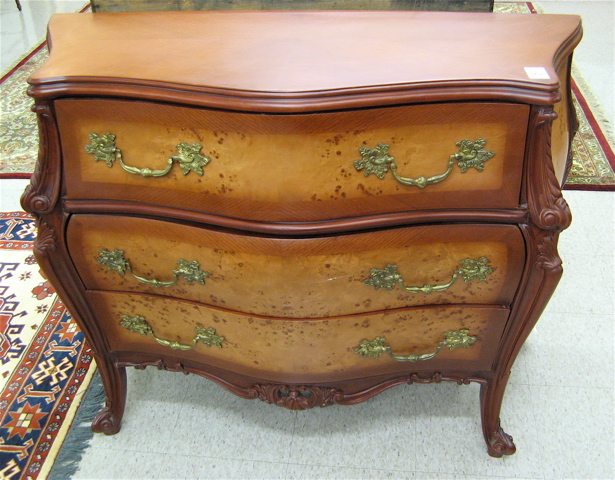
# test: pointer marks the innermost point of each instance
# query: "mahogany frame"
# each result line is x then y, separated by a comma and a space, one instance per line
541, 215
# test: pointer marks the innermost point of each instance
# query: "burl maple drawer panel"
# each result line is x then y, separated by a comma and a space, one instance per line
299, 278
295, 167
310, 350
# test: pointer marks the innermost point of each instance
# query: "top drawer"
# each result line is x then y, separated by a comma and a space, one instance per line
295, 167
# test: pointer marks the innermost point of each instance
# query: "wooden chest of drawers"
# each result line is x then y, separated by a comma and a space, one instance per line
300, 208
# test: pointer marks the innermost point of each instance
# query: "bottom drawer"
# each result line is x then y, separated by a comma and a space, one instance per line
300, 351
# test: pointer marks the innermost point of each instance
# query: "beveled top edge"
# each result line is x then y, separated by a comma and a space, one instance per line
263, 57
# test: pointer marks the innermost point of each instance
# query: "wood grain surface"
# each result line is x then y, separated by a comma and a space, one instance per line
304, 350
295, 167
299, 278
281, 53
187, 5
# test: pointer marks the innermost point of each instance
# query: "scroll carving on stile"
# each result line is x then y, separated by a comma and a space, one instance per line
452, 340
377, 161
207, 336
190, 271
189, 157
470, 270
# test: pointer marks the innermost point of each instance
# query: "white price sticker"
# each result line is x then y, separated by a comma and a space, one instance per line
537, 73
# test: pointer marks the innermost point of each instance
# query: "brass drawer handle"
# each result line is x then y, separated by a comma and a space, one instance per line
189, 157
207, 336
452, 340
388, 277
191, 272
378, 161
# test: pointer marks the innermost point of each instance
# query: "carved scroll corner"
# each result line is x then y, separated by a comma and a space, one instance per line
32, 201
296, 397
556, 216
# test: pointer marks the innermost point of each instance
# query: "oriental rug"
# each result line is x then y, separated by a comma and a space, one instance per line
593, 147
46, 365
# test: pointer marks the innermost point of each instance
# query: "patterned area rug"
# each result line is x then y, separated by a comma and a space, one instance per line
593, 156
45, 363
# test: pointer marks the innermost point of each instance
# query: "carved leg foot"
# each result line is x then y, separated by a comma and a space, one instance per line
109, 419
106, 422
500, 443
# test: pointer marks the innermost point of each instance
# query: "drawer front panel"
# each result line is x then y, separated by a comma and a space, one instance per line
301, 350
292, 167
298, 278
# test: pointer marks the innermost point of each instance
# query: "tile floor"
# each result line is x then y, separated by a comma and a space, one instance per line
559, 405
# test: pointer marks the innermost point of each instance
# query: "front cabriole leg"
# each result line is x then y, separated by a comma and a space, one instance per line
548, 216
108, 420
498, 441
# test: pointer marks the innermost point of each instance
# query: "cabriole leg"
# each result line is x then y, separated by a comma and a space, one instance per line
108, 420
498, 441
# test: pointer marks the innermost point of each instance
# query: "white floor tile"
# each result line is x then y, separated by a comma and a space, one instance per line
22, 31
107, 465
215, 423
560, 341
182, 466
576, 430
376, 434
151, 414
10, 193
311, 472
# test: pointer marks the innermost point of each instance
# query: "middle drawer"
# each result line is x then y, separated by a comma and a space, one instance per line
304, 277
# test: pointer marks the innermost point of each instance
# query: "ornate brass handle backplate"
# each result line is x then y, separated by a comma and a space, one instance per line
190, 271
207, 336
189, 157
452, 340
378, 161
388, 277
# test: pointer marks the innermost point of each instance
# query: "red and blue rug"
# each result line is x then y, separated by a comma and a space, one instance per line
46, 365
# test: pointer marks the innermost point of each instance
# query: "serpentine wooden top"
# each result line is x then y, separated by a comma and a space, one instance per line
289, 57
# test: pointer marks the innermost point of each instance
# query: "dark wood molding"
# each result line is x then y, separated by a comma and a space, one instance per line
290, 395
299, 229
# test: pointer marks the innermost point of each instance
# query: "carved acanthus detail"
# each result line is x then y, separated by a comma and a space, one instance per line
45, 239
548, 258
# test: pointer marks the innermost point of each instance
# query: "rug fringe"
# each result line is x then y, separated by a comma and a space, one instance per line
78, 438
